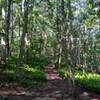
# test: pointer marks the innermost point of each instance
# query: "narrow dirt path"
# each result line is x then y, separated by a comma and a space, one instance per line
53, 76
51, 73
55, 88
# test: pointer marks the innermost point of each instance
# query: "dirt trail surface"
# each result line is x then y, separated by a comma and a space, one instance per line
51, 73
55, 88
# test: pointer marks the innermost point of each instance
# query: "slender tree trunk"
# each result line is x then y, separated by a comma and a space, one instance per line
12, 30
22, 40
7, 26
65, 46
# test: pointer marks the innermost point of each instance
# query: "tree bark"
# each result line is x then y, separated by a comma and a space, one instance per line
7, 26
22, 39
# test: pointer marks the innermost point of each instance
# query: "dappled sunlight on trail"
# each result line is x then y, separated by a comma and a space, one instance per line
55, 88
51, 73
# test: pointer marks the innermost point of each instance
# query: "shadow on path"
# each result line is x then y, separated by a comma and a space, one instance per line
55, 88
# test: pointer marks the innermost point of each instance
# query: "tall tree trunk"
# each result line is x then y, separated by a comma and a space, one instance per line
25, 30
65, 45
7, 26
12, 30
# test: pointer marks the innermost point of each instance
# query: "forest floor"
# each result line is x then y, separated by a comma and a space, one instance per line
55, 88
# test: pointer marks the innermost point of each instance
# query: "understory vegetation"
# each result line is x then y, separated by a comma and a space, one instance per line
63, 33
88, 80
27, 75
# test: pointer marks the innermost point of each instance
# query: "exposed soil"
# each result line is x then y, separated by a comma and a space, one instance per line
55, 88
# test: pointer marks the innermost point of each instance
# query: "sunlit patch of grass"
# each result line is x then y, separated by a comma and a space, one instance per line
9, 72
88, 80
27, 75
32, 73
84, 79
28, 68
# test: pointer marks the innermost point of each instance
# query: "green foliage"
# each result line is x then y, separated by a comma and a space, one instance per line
11, 61
98, 63
44, 37
90, 4
38, 62
32, 73
27, 75
62, 72
32, 61
7, 76
89, 21
88, 80
98, 39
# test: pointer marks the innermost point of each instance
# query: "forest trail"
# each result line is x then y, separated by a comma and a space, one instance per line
51, 73
55, 88
53, 76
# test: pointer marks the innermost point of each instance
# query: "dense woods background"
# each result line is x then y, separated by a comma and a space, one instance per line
36, 33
